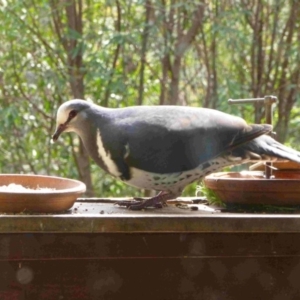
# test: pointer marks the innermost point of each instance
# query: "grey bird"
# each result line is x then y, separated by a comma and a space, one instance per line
165, 148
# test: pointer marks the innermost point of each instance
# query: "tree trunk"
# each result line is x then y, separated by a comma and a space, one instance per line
183, 40
145, 36
74, 52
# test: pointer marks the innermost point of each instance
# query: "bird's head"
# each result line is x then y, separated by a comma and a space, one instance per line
70, 116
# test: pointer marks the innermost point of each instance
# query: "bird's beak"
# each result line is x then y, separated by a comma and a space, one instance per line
59, 129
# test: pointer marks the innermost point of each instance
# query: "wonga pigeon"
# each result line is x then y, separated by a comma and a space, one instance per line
166, 148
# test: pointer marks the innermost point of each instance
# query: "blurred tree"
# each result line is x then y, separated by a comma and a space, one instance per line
139, 52
68, 28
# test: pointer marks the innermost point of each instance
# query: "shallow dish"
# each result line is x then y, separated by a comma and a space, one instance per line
280, 166
252, 188
45, 194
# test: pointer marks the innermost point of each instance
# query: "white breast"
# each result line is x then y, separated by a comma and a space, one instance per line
106, 157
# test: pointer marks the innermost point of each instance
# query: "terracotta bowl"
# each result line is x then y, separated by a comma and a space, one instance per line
280, 166
45, 194
251, 187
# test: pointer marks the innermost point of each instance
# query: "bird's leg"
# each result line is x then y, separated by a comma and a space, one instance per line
157, 201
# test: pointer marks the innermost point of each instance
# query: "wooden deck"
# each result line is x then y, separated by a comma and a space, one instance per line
101, 251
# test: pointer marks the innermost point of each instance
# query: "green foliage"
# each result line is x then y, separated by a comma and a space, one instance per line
210, 195
120, 40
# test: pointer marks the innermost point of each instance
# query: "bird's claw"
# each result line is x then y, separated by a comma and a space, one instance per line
128, 203
142, 205
139, 203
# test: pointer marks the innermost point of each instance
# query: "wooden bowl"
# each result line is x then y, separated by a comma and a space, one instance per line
251, 187
45, 194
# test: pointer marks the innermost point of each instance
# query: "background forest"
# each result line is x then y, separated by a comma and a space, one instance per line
137, 52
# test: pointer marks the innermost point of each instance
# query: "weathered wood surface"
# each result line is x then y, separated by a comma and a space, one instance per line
94, 216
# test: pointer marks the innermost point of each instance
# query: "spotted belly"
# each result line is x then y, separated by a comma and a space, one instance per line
175, 182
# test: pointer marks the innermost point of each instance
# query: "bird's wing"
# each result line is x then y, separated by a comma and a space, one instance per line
267, 146
176, 140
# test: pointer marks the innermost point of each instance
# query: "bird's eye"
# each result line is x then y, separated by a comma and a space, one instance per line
72, 114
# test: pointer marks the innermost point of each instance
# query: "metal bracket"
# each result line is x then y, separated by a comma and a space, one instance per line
268, 101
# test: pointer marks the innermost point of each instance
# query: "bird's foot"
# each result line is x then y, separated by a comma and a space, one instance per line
157, 201
127, 203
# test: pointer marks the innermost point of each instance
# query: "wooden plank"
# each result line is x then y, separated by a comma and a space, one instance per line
108, 218
31, 247
149, 266
111, 224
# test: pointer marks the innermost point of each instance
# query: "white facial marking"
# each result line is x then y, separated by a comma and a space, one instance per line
62, 114
106, 157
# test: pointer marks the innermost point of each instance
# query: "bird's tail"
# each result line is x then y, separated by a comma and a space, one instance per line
266, 146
